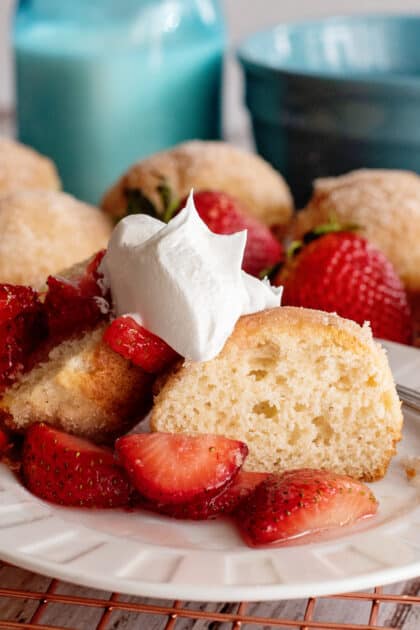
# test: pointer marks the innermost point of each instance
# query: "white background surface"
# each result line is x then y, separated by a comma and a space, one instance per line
243, 17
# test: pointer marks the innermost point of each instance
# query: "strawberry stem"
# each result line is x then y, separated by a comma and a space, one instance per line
333, 225
170, 202
270, 272
138, 203
294, 248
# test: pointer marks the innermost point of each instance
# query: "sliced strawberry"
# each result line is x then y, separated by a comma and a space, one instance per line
67, 309
302, 502
16, 299
11, 353
125, 336
88, 283
22, 328
67, 470
175, 468
210, 507
77, 304
5, 441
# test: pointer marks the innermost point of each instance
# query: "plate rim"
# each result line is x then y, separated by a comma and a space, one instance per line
205, 592
235, 594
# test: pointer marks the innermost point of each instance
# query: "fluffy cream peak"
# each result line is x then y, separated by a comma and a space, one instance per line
183, 282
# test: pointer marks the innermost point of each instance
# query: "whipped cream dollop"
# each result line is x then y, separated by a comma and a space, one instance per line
183, 282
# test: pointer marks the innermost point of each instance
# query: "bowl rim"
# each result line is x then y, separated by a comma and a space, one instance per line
257, 66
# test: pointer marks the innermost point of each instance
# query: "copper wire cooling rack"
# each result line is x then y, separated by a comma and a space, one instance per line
88, 610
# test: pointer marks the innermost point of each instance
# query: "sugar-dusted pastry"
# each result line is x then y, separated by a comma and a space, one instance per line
43, 232
386, 206
206, 166
23, 168
58, 368
82, 387
300, 387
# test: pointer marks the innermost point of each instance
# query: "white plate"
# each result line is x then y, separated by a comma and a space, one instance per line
144, 554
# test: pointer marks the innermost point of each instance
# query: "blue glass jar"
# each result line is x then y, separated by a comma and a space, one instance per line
102, 83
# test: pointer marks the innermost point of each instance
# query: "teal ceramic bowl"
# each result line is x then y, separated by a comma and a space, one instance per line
333, 95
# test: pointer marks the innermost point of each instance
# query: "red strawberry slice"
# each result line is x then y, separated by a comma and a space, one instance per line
207, 508
302, 502
125, 336
176, 468
22, 328
16, 299
75, 305
5, 442
224, 214
68, 310
68, 470
88, 283
11, 353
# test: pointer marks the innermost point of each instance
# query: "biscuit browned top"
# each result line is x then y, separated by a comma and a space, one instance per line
207, 166
43, 231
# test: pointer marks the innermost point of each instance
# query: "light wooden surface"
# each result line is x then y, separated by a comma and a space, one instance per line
404, 617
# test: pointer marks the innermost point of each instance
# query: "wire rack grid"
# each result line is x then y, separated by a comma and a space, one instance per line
110, 611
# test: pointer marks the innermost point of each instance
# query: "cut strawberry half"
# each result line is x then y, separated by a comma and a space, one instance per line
68, 310
75, 305
211, 507
300, 503
125, 336
22, 328
175, 468
89, 283
15, 300
67, 470
5, 441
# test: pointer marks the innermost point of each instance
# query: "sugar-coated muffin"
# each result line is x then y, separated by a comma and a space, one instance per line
302, 388
207, 166
23, 168
82, 387
386, 206
43, 232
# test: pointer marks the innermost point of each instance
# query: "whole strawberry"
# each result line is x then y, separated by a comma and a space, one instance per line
342, 272
224, 215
